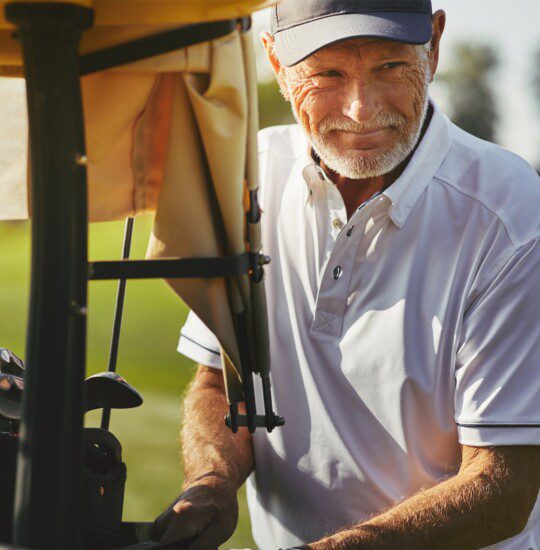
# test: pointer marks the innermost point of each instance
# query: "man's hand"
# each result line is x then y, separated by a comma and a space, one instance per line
216, 464
204, 516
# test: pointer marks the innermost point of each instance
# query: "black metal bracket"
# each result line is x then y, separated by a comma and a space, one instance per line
186, 268
241, 421
157, 44
245, 23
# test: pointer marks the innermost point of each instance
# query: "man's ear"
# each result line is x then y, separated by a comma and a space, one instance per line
277, 67
439, 23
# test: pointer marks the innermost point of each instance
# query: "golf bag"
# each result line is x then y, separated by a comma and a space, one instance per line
8, 466
104, 478
103, 471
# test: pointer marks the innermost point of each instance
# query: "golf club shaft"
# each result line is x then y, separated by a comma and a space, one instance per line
117, 324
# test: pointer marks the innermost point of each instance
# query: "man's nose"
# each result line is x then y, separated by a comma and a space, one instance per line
361, 101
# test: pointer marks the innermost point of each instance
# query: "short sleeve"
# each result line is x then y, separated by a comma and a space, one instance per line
497, 399
198, 343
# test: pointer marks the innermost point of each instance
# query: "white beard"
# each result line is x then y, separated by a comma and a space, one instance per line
355, 164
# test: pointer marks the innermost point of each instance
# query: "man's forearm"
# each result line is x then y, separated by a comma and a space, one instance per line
471, 510
439, 517
211, 452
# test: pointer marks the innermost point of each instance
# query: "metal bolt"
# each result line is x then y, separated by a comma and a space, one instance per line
77, 310
81, 160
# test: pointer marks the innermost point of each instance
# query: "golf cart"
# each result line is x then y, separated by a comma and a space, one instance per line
133, 106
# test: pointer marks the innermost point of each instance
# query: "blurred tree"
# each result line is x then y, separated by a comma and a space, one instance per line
468, 83
536, 83
273, 108
536, 75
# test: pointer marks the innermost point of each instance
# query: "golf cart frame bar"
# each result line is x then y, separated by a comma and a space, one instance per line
200, 268
165, 42
48, 489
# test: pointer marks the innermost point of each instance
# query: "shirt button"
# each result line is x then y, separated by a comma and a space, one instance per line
337, 223
338, 272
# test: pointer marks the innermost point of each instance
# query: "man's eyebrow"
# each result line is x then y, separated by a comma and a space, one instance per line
318, 62
392, 55
320, 56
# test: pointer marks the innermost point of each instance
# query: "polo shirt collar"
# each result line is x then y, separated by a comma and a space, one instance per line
405, 192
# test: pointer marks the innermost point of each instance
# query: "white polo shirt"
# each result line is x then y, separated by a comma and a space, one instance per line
395, 335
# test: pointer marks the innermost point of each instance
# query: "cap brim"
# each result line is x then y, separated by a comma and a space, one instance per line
295, 44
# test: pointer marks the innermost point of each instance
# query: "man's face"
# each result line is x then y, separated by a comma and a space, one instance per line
361, 102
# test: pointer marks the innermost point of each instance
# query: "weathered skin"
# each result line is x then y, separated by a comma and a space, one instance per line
360, 80
216, 464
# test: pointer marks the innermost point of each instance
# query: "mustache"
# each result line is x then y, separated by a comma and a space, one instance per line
382, 120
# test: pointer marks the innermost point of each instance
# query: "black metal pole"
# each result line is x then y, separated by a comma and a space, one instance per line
117, 323
47, 507
159, 43
247, 374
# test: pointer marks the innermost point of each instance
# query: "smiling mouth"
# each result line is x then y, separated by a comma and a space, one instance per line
366, 140
367, 133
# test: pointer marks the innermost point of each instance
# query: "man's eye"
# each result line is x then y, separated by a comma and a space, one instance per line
329, 74
392, 65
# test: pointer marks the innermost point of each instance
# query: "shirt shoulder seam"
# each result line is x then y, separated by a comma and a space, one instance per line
516, 243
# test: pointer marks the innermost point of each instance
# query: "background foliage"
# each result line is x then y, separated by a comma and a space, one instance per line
535, 83
273, 109
470, 91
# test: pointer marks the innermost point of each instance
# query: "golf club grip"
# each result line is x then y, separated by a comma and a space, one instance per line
140, 534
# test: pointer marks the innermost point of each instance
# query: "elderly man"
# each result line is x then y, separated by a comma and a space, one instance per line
403, 307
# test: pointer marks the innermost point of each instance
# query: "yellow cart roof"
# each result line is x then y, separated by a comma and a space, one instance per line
119, 21
159, 12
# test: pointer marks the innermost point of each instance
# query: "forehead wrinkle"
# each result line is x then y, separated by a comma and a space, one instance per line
361, 47
350, 45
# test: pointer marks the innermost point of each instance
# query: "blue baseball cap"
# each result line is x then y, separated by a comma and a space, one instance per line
302, 27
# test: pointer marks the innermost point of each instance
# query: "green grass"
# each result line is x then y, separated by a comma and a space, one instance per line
148, 359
